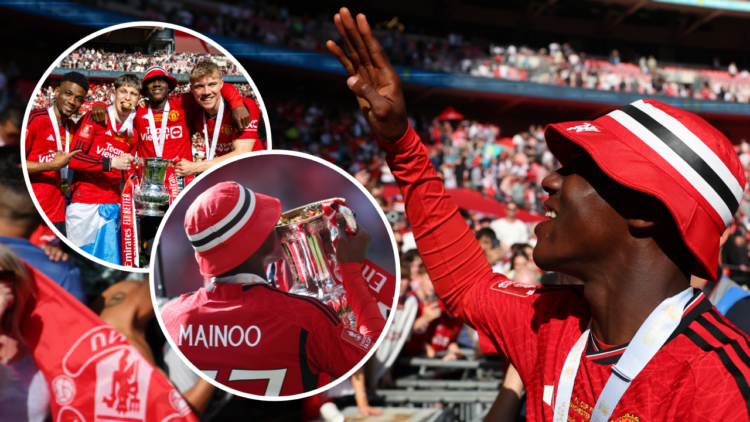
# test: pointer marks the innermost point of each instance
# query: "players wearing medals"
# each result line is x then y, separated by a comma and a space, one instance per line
247, 334
107, 154
222, 141
48, 138
639, 205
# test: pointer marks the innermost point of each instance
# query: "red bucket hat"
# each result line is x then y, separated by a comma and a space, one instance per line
671, 154
155, 71
227, 224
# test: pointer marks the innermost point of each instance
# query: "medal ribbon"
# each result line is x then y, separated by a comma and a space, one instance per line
158, 140
211, 147
126, 125
56, 130
650, 337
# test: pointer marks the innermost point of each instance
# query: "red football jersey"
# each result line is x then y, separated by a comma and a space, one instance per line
259, 340
228, 132
95, 181
700, 374
41, 146
182, 107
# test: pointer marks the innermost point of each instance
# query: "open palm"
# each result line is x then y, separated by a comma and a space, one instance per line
371, 77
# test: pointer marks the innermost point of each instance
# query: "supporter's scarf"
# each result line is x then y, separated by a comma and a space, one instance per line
92, 371
129, 230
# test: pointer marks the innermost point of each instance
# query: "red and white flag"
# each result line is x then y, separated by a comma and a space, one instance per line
93, 372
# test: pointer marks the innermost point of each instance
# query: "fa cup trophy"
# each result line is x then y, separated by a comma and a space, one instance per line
308, 238
150, 193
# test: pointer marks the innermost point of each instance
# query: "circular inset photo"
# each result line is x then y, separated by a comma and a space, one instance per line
275, 274
122, 122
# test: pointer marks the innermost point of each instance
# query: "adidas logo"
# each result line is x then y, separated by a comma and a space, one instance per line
108, 133
50, 138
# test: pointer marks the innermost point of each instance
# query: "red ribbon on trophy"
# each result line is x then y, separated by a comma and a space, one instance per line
382, 283
171, 183
128, 227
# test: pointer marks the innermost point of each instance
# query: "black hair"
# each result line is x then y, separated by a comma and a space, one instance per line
486, 232
76, 78
15, 200
513, 259
14, 115
485, 220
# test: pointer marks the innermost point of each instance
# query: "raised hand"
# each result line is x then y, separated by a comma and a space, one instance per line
351, 248
371, 77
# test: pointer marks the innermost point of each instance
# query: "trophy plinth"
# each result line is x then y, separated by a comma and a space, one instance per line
151, 192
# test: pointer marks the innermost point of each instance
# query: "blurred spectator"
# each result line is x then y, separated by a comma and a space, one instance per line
19, 220
10, 126
508, 229
24, 395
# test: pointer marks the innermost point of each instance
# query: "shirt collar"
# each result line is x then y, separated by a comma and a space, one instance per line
240, 279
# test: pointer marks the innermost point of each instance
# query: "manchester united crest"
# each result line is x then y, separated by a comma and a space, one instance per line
226, 129
174, 115
628, 418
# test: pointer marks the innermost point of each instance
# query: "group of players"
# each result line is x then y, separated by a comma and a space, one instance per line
101, 148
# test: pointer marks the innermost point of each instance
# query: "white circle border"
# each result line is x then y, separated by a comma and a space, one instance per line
76, 45
356, 367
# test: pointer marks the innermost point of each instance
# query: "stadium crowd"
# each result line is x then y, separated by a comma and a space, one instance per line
175, 63
559, 64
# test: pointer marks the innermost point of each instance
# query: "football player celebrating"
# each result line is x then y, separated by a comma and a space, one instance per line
163, 124
639, 205
221, 139
92, 218
48, 140
247, 334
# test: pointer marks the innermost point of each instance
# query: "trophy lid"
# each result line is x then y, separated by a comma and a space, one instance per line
304, 213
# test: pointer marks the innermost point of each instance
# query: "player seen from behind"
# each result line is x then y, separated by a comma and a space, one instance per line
249, 335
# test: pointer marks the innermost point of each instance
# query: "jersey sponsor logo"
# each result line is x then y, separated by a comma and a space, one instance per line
586, 127
172, 132
47, 158
174, 115
51, 138
219, 336
628, 418
86, 131
226, 129
252, 126
512, 288
358, 339
108, 132
109, 151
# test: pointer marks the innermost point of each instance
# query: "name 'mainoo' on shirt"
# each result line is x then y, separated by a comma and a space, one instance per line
216, 336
